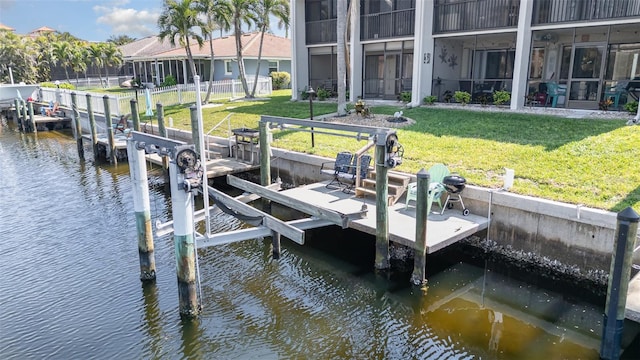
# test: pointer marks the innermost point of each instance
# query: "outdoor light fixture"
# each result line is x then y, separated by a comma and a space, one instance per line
311, 94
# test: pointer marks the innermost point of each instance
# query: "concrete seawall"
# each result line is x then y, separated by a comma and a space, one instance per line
571, 238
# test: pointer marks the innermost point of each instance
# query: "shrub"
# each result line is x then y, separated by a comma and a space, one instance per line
405, 96
429, 100
63, 85
280, 79
631, 107
501, 97
604, 104
484, 99
462, 97
169, 80
323, 93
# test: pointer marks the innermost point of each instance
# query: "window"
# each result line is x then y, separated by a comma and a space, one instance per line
227, 67
273, 66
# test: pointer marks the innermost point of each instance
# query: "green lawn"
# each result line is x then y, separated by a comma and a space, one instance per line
589, 162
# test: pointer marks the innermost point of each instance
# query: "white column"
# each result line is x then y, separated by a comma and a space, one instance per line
422, 52
355, 56
523, 55
184, 72
299, 52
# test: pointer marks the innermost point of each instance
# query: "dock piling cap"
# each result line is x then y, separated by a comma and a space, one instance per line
423, 173
629, 215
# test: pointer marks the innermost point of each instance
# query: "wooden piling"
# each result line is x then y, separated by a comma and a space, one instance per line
163, 132
382, 207
275, 243
25, 115
619, 273
92, 126
193, 111
31, 123
418, 277
16, 103
134, 115
112, 143
265, 154
184, 243
77, 125
142, 208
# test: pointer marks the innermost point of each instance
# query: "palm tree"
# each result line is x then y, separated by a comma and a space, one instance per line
341, 60
280, 10
112, 57
243, 12
62, 53
179, 19
19, 53
218, 14
78, 58
95, 56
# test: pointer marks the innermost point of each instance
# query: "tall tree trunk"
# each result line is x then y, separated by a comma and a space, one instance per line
255, 82
342, 65
211, 69
243, 78
192, 64
66, 72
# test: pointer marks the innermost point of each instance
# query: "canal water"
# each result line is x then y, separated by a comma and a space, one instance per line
69, 286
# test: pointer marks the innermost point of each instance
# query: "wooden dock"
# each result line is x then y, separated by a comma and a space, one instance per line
216, 167
42, 122
633, 299
442, 230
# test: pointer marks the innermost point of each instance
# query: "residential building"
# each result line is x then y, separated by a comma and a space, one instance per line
564, 53
152, 59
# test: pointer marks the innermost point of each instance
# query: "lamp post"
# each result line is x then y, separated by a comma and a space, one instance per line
311, 93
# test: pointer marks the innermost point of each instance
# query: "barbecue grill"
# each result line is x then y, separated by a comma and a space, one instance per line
454, 184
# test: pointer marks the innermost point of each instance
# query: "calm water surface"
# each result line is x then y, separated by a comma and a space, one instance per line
69, 286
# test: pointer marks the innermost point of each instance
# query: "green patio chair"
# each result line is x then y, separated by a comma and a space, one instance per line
554, 91
436, 174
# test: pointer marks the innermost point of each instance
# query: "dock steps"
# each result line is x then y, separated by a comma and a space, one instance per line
397, 185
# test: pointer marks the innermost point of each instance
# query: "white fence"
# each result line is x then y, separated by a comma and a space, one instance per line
171, 95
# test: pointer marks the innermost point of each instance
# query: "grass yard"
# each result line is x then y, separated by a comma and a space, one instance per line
590, 162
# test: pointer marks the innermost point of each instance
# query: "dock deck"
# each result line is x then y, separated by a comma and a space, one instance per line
633, 299
51, 122
442, 230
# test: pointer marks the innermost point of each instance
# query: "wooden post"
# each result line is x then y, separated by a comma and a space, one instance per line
193, 111
265, 154
110, 139
163, 132
142, 207
418, 277
16, 103
135, 115
619, 273
31, 123
25, 115
275, 242
382, 207
184, 242
92, 126
77, 126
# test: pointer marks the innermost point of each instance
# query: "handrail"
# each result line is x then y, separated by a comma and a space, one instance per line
358, 155
228, 119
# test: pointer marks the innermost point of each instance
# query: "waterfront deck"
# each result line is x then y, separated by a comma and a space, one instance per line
43, 122
442, 230
633, 299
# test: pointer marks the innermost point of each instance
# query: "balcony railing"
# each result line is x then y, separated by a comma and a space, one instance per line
387, 25
559, 11
322, 31
475, 15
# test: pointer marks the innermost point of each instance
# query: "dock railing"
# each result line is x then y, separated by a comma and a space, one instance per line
228, 120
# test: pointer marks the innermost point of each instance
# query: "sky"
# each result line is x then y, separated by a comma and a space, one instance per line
93, 20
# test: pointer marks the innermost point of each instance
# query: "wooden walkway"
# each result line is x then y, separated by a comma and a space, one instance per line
442, 230
51, 122
216, 167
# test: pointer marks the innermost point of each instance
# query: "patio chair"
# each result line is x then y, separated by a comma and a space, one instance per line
350, 183
340, 169
437, 173
554, 91
615, 92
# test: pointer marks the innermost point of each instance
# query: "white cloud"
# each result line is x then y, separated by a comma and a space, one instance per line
127, 21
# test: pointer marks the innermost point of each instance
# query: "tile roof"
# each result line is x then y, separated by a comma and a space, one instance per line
4, 27
274, 47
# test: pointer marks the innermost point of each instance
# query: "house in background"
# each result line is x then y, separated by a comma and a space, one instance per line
152, 60
586, 50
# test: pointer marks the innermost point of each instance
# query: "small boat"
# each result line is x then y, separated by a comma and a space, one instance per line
9, 92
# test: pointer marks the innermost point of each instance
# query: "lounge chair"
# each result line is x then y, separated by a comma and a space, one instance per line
554, 91
437, 173
122, 124
340, 169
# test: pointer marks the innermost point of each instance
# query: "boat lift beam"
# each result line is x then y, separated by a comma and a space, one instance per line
332, 216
